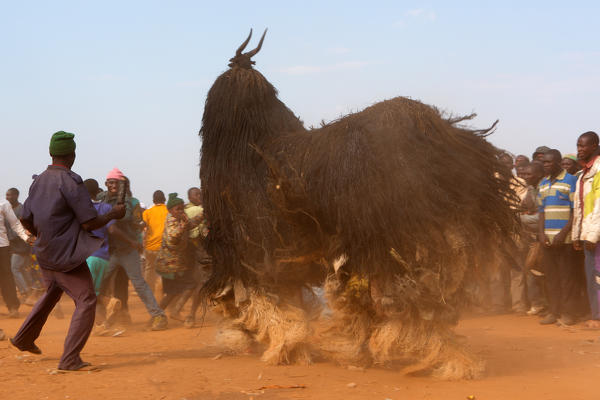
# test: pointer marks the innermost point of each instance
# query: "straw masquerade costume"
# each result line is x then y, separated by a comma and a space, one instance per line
385, 207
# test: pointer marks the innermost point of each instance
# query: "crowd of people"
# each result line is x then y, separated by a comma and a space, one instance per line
555, 274
90, 243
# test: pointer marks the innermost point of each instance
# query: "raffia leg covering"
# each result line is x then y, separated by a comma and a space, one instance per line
346, 338
282, 327
430, 349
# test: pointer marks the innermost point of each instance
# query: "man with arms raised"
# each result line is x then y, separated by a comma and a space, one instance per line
60, 213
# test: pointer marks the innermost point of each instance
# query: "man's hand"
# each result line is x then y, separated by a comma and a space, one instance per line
559, 238
577, 245
117, 212
589, 246
31, 240
544, 240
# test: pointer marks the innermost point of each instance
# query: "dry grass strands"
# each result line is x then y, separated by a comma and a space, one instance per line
283, 328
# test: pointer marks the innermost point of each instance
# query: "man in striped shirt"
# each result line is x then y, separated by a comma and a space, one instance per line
555, 201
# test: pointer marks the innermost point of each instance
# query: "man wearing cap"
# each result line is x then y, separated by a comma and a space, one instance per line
124, 249
538, 154
570, 164
60, 213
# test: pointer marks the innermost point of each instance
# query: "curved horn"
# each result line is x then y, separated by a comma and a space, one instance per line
257, 49
238, 52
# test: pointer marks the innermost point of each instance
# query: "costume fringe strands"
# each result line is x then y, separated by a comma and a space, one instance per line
397, 203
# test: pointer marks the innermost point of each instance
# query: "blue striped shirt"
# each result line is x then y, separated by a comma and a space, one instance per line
555, 200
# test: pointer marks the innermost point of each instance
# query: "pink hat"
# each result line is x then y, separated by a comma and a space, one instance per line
115, 174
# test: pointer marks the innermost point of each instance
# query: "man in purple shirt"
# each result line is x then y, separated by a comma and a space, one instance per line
60, 213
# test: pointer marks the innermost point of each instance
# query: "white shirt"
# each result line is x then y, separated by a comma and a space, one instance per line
8, 217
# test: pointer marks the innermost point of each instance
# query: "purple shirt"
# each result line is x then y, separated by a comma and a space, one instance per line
57, 205
102, 233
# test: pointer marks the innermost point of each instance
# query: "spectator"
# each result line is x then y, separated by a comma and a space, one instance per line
555, 200
521, 161
98, 261
154, 218
533, 174
174, 263
586, 224
511, 277
8, 219
202, 261
27, 280
124, 249
569, 163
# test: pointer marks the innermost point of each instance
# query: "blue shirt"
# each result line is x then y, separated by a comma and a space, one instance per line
57, 205
102, 233
555, 200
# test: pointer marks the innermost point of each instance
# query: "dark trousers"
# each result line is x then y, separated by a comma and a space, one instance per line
7, 280
121, 287
78, 285
561, 279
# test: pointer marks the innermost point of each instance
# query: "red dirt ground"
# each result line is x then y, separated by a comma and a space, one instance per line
525, 361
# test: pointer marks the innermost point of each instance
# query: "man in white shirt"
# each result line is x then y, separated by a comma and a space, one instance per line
7, 281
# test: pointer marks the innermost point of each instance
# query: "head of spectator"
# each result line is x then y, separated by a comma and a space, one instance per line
158, 197
552, 159
92, 187
62, 149
587, 146
570, 164
112, 181
12, 196
538, 154
507, 160
195, 196
521, 161
175, 206
533, 173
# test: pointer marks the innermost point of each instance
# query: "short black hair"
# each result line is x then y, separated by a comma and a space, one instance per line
92, 186
555, 153
14, 190
593, 136
158, 197
190, 190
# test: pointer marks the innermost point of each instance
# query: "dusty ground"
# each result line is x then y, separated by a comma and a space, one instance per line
525, 361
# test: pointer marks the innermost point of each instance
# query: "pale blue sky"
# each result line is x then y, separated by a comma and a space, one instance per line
129, 78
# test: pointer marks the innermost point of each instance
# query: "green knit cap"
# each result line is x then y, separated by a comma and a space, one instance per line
173, 200
62, 144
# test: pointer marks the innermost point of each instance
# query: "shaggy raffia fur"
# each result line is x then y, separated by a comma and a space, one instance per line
281, 327
397, 190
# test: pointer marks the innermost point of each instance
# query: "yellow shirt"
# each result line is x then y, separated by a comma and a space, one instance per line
155, 218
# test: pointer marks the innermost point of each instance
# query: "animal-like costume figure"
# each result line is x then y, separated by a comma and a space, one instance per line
387, 207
